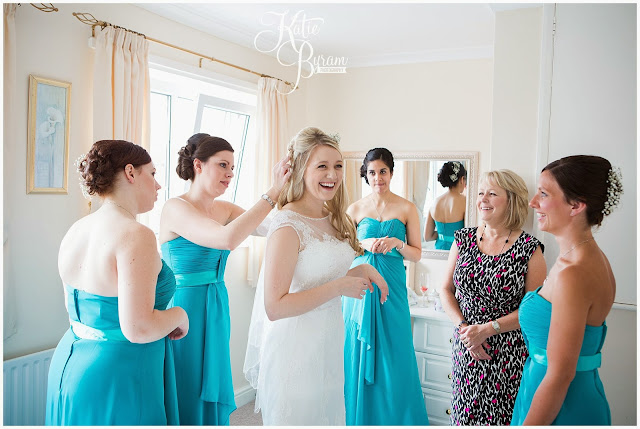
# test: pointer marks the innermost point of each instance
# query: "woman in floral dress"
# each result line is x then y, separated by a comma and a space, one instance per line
490, 269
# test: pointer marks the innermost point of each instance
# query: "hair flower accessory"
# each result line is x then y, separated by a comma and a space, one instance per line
455, 166
614, 190
80, 167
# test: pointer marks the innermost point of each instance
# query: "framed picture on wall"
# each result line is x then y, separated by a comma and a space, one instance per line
48, 136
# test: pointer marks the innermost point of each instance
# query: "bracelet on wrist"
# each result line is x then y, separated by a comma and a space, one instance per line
462, 322
268, 199
400, 248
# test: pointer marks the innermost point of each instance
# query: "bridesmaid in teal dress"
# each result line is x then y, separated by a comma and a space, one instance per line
114, 365
563, 321
382, 384
197, 233
449, 208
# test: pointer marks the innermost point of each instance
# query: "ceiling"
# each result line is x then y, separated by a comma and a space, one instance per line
362, 34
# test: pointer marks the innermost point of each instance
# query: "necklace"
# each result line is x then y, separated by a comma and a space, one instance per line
118, 205
379, 218
576, 245
505, 241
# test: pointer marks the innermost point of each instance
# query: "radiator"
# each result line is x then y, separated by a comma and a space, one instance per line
25, 389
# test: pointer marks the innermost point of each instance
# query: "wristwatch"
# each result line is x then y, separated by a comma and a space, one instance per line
268, 199
496, 326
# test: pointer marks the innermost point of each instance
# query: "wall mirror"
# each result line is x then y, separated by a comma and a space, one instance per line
415, 178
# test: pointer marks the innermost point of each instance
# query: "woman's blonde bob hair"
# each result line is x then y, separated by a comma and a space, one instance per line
299, 150
517, 196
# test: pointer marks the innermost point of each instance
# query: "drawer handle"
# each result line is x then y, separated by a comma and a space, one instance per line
449, 376
450, 340
448, 411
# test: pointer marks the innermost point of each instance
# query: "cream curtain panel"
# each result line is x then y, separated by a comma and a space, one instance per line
416, 181
121, 86
9, 138
352, 180
271, 146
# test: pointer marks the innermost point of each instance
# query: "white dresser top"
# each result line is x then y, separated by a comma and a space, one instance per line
427, 313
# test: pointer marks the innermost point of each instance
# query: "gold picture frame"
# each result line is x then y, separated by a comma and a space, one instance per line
48, 136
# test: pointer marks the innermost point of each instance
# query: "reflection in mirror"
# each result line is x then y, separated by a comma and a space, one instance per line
445, 214
415, 177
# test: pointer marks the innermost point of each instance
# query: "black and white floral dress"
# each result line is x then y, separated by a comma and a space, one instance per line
488, 287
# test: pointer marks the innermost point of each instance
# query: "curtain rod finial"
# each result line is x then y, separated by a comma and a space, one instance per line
46, 7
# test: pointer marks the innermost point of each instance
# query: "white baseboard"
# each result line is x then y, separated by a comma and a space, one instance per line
244, 395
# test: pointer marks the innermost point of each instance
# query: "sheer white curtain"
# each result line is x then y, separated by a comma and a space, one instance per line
271, 146
9, 59
121, 86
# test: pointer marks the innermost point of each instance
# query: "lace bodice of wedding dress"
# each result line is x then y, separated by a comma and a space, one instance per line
296, 363
320, 255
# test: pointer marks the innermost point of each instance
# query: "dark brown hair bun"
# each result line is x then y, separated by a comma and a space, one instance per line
98, 168
201, 146
450, 173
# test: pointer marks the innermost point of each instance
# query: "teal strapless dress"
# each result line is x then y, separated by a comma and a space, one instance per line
382, 385
585, 403
202, 358
445, 233
97, 377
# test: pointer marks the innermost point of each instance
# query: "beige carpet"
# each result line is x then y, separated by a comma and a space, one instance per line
244, 416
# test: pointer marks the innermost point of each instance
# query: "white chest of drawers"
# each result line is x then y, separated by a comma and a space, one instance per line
432, 338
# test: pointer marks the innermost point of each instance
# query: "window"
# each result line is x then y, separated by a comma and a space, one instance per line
182, 105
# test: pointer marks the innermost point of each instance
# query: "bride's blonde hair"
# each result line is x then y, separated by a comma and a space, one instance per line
299, 150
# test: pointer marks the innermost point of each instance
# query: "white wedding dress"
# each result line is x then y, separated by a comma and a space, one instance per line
296, 363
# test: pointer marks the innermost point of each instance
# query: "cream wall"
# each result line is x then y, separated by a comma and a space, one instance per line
517, 47
437, 106
54, 45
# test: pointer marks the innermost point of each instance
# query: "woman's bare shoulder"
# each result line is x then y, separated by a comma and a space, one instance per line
356, 209
177, 203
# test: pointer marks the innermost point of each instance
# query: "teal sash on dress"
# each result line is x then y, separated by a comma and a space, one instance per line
203, 278
212, 280
445, 238
86, 332
585, 363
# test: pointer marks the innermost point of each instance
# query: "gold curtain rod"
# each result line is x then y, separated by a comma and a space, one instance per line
87, 18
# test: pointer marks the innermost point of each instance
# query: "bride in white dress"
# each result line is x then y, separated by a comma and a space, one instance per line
296, 339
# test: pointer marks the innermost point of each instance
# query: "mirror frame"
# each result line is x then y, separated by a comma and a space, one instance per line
472, 182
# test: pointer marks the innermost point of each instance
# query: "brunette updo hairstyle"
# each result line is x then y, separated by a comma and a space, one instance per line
380, 153
583, 178
448, 170
201, 146
98, 168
